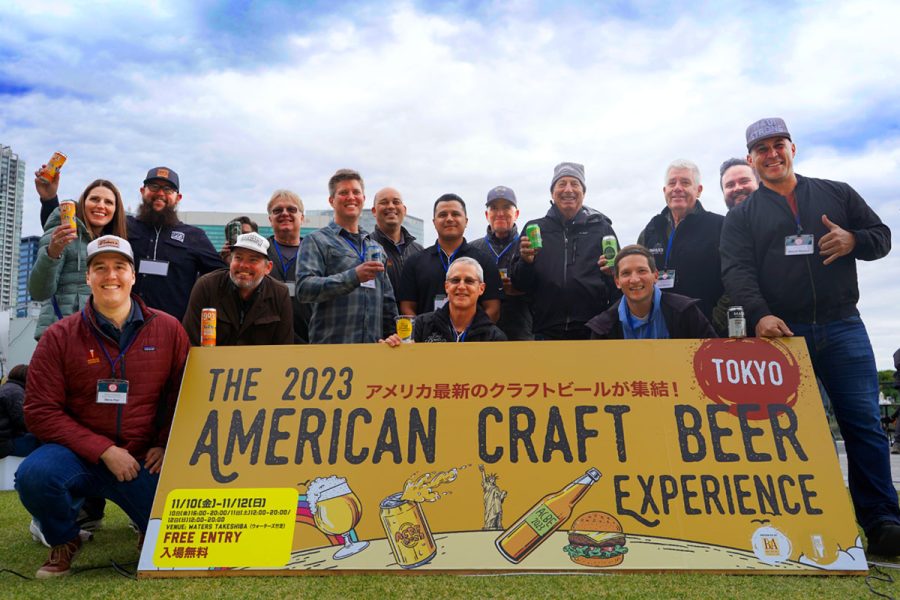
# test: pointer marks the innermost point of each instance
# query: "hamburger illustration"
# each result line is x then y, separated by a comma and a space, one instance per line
596, 540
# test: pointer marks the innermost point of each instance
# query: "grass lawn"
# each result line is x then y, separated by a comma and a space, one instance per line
94, 577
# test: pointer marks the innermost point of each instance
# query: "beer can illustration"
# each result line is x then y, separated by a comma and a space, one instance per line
67, 213
533, 232
610, 248
208, 327
48, 173
407, 531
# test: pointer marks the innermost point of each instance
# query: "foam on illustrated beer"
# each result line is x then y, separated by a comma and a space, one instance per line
542, 519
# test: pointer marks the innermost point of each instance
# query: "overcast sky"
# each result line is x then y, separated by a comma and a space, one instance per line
245, 97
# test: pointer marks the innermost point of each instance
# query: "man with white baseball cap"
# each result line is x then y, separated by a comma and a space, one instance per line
101, 392
251, 308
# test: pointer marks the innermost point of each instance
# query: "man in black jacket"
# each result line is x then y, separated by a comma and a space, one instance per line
398, 243
684, 239
789, 258
564, 278
644, 312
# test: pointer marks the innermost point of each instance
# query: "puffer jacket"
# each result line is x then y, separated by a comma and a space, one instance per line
63, 277
61, 394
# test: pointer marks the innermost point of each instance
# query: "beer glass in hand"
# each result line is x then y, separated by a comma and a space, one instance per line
336, 511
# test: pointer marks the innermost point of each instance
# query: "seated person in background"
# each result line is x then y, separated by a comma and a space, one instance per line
461, 319
14, 437
252, 309
644, 312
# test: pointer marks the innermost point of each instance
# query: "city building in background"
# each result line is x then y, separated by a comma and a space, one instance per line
12, 194
213, 223
28, 251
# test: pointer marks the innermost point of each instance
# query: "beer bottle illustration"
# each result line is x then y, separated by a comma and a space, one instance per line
542, 519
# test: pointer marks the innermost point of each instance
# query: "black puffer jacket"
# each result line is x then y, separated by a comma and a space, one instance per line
12, 418
564, 281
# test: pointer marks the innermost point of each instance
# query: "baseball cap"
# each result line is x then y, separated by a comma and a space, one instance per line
501, 192
252, 241
109, 243
765, 129
164, 173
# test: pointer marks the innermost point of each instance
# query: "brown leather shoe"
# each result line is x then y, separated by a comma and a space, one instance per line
60, 561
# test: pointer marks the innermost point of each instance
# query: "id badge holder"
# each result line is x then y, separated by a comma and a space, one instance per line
153, 267
112, 391
798, 245
368, 284
439, 301
666, 279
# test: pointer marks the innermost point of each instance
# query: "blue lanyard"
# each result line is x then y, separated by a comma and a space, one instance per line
441, 255
112, 363
360, 253
284, 265
460, 337
498, 256
669, 247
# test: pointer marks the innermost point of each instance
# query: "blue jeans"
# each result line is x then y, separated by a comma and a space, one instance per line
24, 445
53, 479
843, 360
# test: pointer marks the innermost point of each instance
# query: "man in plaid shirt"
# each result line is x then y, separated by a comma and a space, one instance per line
341, 273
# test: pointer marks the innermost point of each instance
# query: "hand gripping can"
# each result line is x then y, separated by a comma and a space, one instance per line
533, 232
208, 327
407, 531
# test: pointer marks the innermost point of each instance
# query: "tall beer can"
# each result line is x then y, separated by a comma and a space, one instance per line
48, 173
737, 324
610, 248
407, 531
533, 232
67, 213
208, 327
232, 230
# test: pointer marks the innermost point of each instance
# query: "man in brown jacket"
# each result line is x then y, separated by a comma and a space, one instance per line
252, 309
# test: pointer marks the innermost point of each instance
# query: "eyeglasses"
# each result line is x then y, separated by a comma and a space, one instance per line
458, 280
290, 209
155, 187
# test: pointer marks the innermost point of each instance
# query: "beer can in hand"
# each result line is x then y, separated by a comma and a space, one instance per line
737, 324
610, 249
67, 213
208, 327
533, 232
48, 172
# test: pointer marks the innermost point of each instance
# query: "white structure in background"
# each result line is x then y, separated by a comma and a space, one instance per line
12, 193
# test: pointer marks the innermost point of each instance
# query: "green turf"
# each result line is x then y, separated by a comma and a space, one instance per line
95, 578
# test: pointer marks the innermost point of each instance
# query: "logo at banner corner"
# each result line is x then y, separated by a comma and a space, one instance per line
770, 545
743, 371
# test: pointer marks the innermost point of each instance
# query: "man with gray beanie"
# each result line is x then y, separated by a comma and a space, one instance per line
564, 278
789, 258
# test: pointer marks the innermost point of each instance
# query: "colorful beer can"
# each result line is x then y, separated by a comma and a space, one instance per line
208, 327
48, 173
610, 248
67, 213
405, 327
737, 323
533, 232
232, 231
407, 531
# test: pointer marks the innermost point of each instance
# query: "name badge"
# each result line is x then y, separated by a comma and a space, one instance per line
153, 267
795, 245
112, 391
368, 284
292, 287
439, 301
666, 279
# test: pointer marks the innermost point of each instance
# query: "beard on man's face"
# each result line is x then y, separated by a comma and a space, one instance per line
167, 217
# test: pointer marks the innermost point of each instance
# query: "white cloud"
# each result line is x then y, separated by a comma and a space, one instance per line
432, 103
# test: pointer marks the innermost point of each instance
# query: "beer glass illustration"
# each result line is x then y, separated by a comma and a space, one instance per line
336, 510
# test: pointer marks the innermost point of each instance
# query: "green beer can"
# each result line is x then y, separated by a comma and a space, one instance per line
610, 248
533, 232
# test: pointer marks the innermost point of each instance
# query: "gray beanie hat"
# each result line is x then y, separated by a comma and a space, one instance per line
568, 169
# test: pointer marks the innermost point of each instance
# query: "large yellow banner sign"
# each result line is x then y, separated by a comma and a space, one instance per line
563, 456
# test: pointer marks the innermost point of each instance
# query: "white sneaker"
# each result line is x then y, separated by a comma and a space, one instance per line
38, 535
